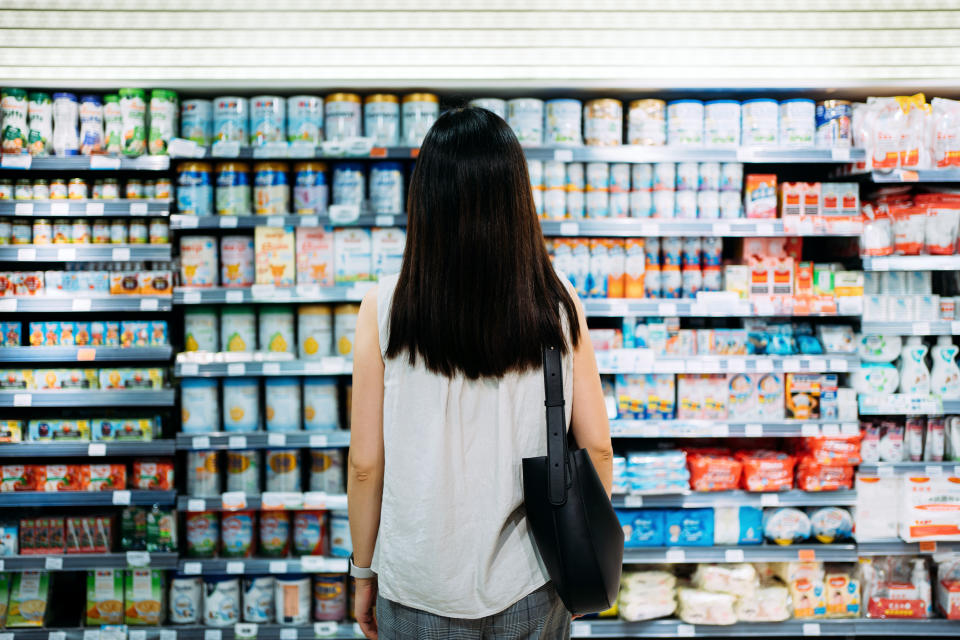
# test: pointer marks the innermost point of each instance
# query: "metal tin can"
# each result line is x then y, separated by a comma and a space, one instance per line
381, 119
41, 190
100, 232
311, 193
563, 122
576, 203
554, 175
386, 188
80, 231
58, 189
555, 203
233, 188
495, 105
274, 532
139, 232
258, 594
110, 189
833, 123
282, 397
221, 600
200, 329
321, 407
62, 231
6, 189
688, 176
186, 593
230, 119
203, 534
641, 204
647, 122
243, 467
731, 176
164, 189
238, 326
236, 261
797, 122
341, 544
419, 112
759, 124
708, 204
77, 189
198, 261
163, 120
348, 182
241, 405
603, 122
315, 331
196, 121
685, 122
326, 470
271, 193
641, 176
119, 233
194, 189
620, 177
21, 231
525, 117
664, 176
200, 407
343, 118
329, 596
664, 204
276, 329
23, 190
293, 599
345, 328
203, 474
721, 123
305, 119
309, 533
236, 534
267, 120
685, 204
159, 231
709, 176
42, 231
598, 176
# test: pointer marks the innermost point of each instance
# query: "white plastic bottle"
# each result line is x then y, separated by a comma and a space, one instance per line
914, 375
945, 377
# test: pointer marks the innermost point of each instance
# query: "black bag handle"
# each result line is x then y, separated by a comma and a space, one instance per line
556, 427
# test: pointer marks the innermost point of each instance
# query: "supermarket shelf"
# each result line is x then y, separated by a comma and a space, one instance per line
84, 163
85, 498
637, 153
269, 500
793, 498
54, 304
284, 151
305, 564
919, 468
857, 627
185, 222
903, 404
706, 306
911, 263
628, 428
85, 253
85, 354
261, 440
331, 630
950, 406
329, 366
269, 293
941, 328
84, 208
643, 227
906, 175
87, 398
643, 361
747, 553
86, 561
86, 448
900, 548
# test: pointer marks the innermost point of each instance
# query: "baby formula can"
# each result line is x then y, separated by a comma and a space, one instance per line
797, 123
118, 231
200, 329
721, 123
555, 203
315, 331
305, 119
293, 599
42, 231
535, 170
671, 282
619, 204
555, 175
200, 407
664, 204
563, 122
41, 190
238, 326
691, 282
651, 281
221, 601
708, 204
236, 530
283, 465
647, 122
345, 328
274, 531
386, 188
833, 123
158, 230
664, 176
271, 193
283, 408
759, 122
576, 203
671, 250
597, 204
712, 278
233, 188
186, 595
91, 125
496, 105
194, 189
690, 251
203, 474
40, 124
198, 261
112, 123
598, 176
267, 120
309, 533
5, 231
241, 405
711, 251
258, 594
321, 409
620, 177
731, 204
163, 120
525, 117
685, 122
342, 116
685, 204
13, 120
133, 121
196, 121
326, 470
731, 176
341, 545
381, 119
66, 139
329, 596
576, 176
230, 119
243, 468
688, 176
236, 261
311, 192
420, 111
276, 329
348, 182
709, 176
603, 122
641, 176
641, 204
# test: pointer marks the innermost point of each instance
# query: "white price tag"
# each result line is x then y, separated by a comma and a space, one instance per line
563, 155
839, 365
120, 254
149, 304
121, 497
81, 304
288, 634
667, 309
318, 440
228, 222
282, 293
720, 431
59, 208
736, 365
277, 439
53, 564
885, 470
277, 566
94, 208
19, 161
818, 365
237, 442
839, 154
236, 369
67, 255
225, 149
97, 449
830, 429
183, 148
791, 365
245, 631
270, 368
921, 328
686, 631
676, 555
569, 229
384, 221
212, 634
233, 500
168, 634
769, 500
733, 555
192, 297
104, 162
192, 568
764, 229
23, 209
810, 430
9, 304
189, 369
26, 255
955, 327
633, 501
745, 154
753, 430
233, 296
138, 558
200, 442
2, 567
313, 564
933, 470
323, 629
234, 567
340, 213
850, 428
579, 629
196, 504
316, 500
57, 635
314, 221
186, 221
812, 628
88, 634
22, 399
274, 221
721, 228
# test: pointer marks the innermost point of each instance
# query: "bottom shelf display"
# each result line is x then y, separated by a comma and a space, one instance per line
791, 628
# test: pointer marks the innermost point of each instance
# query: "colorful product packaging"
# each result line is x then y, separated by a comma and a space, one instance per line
274, 256
353, 257
315, 256
104, 597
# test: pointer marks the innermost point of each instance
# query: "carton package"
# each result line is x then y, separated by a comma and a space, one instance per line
760, 195
274, 249
28, 599
388, 246
930, 508
314, 256
353, 254
877, 513
143, 596
105, 597
803, 396
634, 267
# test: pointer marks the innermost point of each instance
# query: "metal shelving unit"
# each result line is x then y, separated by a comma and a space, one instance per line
643, 361
97, 448
268, 500
746, 553
692, 308
901, 548
220, 566
85, 253
85, 208
85, 354
87, 398
55, 304
84, 163
793, 498
924, 175
180, 222
647, 227
935, 328
86, 498
950, 406
329, 366
861, 627
90, 561
911, 263
261, 440
626, 428
310, 293
920, 468
331, 630
283, 151
636, 153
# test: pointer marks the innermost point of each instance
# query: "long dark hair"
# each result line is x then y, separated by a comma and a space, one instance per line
477, 294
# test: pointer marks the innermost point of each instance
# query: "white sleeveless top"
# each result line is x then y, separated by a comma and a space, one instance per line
453, 536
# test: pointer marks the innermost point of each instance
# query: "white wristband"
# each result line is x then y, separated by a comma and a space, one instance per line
364, 573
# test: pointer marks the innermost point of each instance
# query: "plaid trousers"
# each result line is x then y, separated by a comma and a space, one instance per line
539, 616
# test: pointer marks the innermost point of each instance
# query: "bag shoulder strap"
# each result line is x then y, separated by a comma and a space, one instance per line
556, 427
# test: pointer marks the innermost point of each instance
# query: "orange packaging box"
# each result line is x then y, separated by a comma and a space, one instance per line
617, 271
803, 286
791, 199
634, 267
760, 195
781, 275
811, 198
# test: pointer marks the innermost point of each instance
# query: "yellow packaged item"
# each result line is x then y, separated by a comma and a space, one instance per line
28, 599
274, 256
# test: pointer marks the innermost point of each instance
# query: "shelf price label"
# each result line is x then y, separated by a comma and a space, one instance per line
97, 449
138, 558
121, 254
675, 555
94, 209
812, 628
88, 634
228, 222
18, 161
57, 635
288, 634
753, 430
733, 555
26, 255
54, 563
324, 629
633, 501
104, 162
270, 368
212, 634
234, 567
569, 229
236, 369
192, 568
23, 209
22, 399
168, 634
67, 255
81, 304
580, 629
196, 504
277, 566
276, 439
121, 497
233, 296
237, 442
769, 500
245, 631
686, 631
233, 501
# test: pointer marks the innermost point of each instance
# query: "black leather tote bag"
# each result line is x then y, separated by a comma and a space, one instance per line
573, 523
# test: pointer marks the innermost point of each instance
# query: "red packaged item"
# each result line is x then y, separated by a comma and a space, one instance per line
834, 450
17, 477
59, 477
713, 470
28, 537
106, 477
765, 470
813, 476
153, 475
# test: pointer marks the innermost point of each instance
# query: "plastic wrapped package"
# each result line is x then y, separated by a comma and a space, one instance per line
945, 122
645, 595
942, 221
833, 450
896, 587
909, 224
765, 470
842, 592
737, 525
768, 603
786, 525
876, 239
929, 508
804, 581
813, 476
713, 470
829, 524
948, 585
736, 579
877, 512
703, 607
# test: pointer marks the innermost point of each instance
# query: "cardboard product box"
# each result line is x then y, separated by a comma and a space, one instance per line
736, 278
877, 513
803, 282
28, 599
274, 256
616, 256
122, 429
760, 195
11, 430
105, 597
634, 267
929, 508
353, 254
9, 538
17, 477
143, 597
59, 430
315, 256
803, 396
388, 247
761, 277
4, 597
811, 199
791, 199
781, 275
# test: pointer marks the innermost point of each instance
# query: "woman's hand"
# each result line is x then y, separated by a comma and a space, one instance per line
363, 604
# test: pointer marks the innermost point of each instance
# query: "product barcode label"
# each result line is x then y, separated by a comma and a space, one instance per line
97, 449
94, 208
234, 567
733, 555
53, 564
121, 497
228, 222
81, 304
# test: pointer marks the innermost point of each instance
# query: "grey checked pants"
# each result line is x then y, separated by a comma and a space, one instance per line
539, 616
